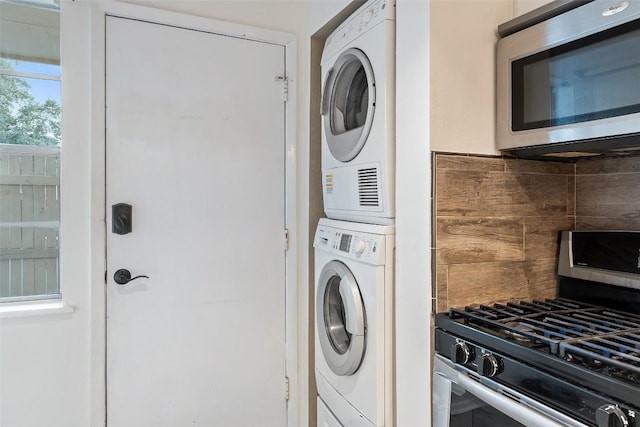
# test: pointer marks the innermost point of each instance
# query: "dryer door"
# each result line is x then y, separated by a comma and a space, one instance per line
348, 104
340, 319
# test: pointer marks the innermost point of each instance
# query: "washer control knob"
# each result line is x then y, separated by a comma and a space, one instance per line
361, 245
461, 353
611, 416
489, 365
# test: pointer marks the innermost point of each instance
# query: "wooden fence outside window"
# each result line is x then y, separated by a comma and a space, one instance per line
29, 222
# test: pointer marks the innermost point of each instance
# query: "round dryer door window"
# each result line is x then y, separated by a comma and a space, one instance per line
348, 104
340, 319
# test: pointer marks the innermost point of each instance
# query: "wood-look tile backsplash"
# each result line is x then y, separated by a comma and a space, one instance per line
608, 194
497, 220
496, 227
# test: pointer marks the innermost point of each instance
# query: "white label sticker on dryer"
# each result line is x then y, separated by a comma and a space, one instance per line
328, 183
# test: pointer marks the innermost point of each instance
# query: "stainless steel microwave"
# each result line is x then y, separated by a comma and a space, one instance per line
568, 80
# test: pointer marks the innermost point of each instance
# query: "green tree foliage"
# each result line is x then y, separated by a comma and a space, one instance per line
24, 120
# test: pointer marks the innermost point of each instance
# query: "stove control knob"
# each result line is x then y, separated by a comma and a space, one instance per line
461, 353
489, 365
611, 416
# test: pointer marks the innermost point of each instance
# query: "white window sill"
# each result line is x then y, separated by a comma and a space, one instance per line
34, 308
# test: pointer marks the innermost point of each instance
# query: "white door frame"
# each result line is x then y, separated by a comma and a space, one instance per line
96, 34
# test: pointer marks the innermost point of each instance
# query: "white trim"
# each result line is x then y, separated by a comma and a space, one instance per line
122, 10
34, 224
98, 11
97, 37
291, 224
34, 308
40, 4
27, 149
30, 180
413, 216
29, 75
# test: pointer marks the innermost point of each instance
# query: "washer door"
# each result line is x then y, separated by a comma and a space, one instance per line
340, 319
348, 104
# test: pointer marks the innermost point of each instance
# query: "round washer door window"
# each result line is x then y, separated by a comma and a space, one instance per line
348, 104
340, 319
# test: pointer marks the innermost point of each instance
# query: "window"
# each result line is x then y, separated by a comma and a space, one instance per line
30, 150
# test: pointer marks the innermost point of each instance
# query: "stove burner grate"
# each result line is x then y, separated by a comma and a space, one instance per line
602, 339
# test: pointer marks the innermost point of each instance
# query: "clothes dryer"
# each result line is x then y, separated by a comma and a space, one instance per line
354, 322
358, 116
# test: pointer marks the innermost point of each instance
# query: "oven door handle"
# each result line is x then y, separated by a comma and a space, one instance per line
519, 407
512, 408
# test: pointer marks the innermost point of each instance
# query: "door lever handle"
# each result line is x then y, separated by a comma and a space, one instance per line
123, 276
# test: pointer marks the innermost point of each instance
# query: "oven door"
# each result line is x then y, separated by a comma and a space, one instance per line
459, 400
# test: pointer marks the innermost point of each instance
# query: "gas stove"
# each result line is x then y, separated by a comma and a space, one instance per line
574, 359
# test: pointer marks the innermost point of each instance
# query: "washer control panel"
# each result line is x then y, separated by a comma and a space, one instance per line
361, 246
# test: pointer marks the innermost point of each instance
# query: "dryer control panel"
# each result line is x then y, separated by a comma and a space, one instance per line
361, 246
369, 15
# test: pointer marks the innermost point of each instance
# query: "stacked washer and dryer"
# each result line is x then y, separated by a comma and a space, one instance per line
355, 245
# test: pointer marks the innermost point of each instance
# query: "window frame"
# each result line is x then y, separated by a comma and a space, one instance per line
37, 174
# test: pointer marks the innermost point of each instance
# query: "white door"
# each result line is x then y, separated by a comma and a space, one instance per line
195, 145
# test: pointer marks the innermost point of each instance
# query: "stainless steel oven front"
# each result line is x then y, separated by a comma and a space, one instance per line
463, 399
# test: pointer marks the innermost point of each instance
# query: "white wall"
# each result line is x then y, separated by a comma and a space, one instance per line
52, 366
45, 359
463, 34
283, 15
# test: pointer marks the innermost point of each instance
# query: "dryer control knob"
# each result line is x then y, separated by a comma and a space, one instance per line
361, 245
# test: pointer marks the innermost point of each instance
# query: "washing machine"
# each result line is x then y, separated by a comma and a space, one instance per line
325, 416
358, 116
354, 323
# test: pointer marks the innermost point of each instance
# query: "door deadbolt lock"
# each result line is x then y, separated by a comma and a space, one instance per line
121, 218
